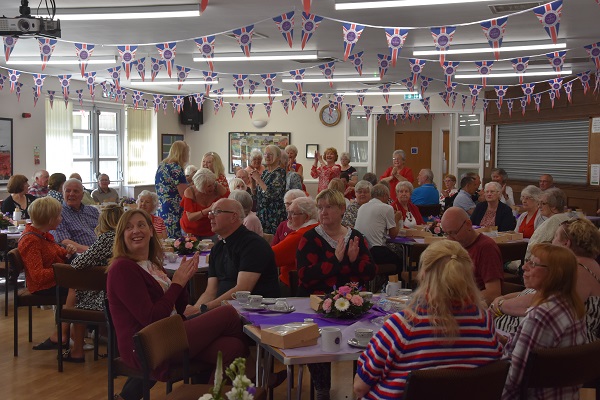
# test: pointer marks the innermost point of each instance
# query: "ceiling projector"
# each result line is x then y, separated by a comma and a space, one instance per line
29, 26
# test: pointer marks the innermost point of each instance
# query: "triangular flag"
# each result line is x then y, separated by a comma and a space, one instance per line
450, 68
156, 100
18, 91
90, 80
555, 86
219, 95
528, 90
484, 68
499, 107
303, 100
593, 51
252, 86
357, 61
209, 77
167, 53
9, 45
523, 104
165, 104
351, 34
268, 81
361, 96
474, 90
584, 77
137, 98
115, 74
13, 76
425, 81
38, 81
298, 76
549, 16
327, 70
244, 38
233, 107
537, 99
494, 32
36, 96
310, 23
520, 64
486, 104
285, 24
156, 66
251, 109
416, 67
80, 96
557, 59
140, 67
239, 82
46, 49
426, 104
500, 92
206, 45
395, 40
286, 104
464, 98
51, 94
127, 54
199, 97
293, 99
316, 100
203, 5
442, 37
568, 86
182, 74
65, 81
368, 111
84, 53
385, 89
383, 61
349, 110
178, 103
268, 108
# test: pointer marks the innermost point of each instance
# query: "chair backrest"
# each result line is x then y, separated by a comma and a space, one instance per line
486, 382
427, 210
414, 253
293, 278
513, 251
16, 261
161, 341
563, 366
85, 279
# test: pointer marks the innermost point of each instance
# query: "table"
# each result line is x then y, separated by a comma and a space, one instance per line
594, 219
199, 280
302, 355
174, 266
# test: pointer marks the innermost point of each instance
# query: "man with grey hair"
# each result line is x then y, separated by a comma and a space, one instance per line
375, 220
426, 193
546, 182
104, 193
39, 187
240, 261
397, 172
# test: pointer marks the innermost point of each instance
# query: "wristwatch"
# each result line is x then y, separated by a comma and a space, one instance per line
203, 308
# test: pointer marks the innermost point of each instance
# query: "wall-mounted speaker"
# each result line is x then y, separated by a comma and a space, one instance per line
190, 115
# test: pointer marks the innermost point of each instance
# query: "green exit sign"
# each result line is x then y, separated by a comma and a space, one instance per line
416, 96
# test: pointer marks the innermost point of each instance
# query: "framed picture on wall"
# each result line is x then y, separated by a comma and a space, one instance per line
6, 150
166, 141
241, 145
311, 150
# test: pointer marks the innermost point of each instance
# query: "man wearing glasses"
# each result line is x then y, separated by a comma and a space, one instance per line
484, 252
240, 261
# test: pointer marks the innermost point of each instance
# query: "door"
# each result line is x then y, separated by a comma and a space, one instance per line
446, 150
417, 146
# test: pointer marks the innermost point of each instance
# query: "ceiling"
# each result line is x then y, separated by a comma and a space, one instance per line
576, 30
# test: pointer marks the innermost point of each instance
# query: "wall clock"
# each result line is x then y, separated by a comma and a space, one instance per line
330, 118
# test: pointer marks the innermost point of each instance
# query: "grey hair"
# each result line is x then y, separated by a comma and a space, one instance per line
276, 151
234, 182
39, 173
244, 198
532, 191
428, 174
308, 206
284, 158
152, 195
293, 194
73, 180
501, 172
256, 154
496, 185
380, 191
363, 185
204, 177
400, 153
346, 154
292, 148
190, 170
555, 198
406, 184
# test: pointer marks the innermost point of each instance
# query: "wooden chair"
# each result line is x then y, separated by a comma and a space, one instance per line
563, 366
414, 255
486, 382
92, 279
23, 298
511, 251
4, 268
428, 210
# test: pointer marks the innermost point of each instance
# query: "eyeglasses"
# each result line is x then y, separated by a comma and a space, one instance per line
450, 233
526, 198
534, 264
214, 213
293, 214
543, 203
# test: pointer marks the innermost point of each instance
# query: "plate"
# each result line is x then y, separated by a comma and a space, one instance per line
289, 310
269, 301
354, 343
248, 308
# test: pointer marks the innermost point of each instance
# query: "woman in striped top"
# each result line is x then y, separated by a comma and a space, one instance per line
445, 325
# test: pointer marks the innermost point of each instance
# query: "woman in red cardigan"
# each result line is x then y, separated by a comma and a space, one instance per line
411, 215
140, 293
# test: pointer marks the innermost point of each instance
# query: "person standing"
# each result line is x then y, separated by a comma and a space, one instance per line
398, 172
270, 190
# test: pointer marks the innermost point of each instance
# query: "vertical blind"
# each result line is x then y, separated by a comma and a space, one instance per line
559, 148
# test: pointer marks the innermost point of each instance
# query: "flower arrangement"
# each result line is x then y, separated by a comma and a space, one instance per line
127, 201
6, 221
186, 245
344, 302
435, 227
243, 388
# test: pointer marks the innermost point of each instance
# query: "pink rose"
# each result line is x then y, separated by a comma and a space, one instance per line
437, 229
337, 296
344, 290
357, 300
189, 245
177, 243
327, 305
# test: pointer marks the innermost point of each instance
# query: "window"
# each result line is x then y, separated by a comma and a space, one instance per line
468, 144
141, 141
359, 137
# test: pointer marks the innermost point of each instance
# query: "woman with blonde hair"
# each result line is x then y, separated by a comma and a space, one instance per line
269, 191
212, 161
237, 184
447, 306
328, 169
170, 185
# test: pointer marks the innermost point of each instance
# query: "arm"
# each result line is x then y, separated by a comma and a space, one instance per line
274, 187
313, 262
507, 220
514, 304
210, 293
97, 254
285, 250
492, 290
314, 171
80, 248
245, 281
391, 220
300, 170
31, 251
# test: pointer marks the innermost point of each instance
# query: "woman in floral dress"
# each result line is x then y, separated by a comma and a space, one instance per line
170, 184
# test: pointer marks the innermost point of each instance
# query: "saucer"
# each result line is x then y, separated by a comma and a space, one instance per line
249, 308
354, 343
290, 309
268, 300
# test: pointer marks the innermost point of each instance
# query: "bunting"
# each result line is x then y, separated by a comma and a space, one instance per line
140, 67
474, 90
351, 34
549, 16
303, 100
306, 5
36, 96
494, 32
387, 111
252, 85
361, 96
484, 68
416, 67
385, 89
156, 66
384, 62
115, 75
537, 99
486, 104
216, 108
464, 98
268, 108
167, 53
293, 99
425, 81
409, 85
349, 110
239, 82
395, 40
13, 77
46, 49
557, 59
199, 97
523, 105
137, 97
209, 77
206, 46
79, 93
18, 91
552, 95
90, 80
528, 90
219, 95
9, 45
520, 64
442, 37
310, 23
316, 100
164, 107
327, 70
244, 38
368, 111
593, 51
357, 61
64, 80
233, 107
406, 108
584, 77
178, 103
38, 81
182, 74
568, 86
499, 107
555, 86
127, 54
285, 24
426, 104
51, 94
268, 80
298, 76
156, 101
449, 70
250, 109
500, 92
286, 104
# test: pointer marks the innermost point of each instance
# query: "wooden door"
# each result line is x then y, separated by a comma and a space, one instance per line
417, 146
446, 150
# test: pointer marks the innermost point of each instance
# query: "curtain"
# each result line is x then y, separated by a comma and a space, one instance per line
141, 147
59, 137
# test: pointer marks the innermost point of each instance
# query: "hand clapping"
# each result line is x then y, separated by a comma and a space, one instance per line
186, 270
353, 249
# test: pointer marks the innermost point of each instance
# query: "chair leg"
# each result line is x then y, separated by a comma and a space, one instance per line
59, 335
96, 341
16, 328
30, 324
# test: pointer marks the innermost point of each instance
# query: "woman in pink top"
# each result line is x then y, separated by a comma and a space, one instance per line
328, 169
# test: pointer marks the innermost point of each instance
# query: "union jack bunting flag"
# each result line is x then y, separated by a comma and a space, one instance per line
233, 107
90, 80
549, 17
268, 108
293, 99
557, 59
3, 79
64, 83
486, 104
206, 45
552, 95
199, 97
316, 100
500, 92
182, 74
115, 74
349, 110
156, 100
484, 68
528, 90
79, 93
285, 24
368, 111
286, 104
385, 89
498, 107
520, 64
244, 38
450, 68
178, 103
357, 61
127, 54
51, 94
165, 104
464, 101
406, 108
426, 104
156, 66
446, 97
137, 97
523, 104
338, 99
38, 81
351, 34
361, 96
593, 51
450, 93
425, 81
9, 45
209, 77
36, 96
442, 37
239, 81
252, 85
555, 86
298, 76
106, 88
474, 90
13, 78
219, 95
537, 99
395, 40
416, 67
274, 92
303, 100
584, 77
310, 23
327, 70
216, 107
453, 95
167, 53
46, 49
387, 110
251, 109
306, 5
18, 91
140, 67
268, 81
384, 63
494, 32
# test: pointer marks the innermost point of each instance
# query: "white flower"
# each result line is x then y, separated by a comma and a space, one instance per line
207, 396
342, 304
241, 381
239, 394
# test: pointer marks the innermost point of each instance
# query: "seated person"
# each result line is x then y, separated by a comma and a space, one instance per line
492, 212
553, 203
17, 186
104, 193
284, 228
426, 193
251, 221
531, 217
241, 260
409, 214
39, 188
450, 189
506, 196
148, 201
362, 191
55, 186
448, 306
87, 193
469, 184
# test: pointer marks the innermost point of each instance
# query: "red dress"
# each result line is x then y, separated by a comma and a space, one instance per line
325, 175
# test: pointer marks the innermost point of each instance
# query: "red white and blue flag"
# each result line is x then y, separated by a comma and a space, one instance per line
239, 82
523, 104
140, 67
385, 90
9, 45
557, 59
303, 100
442, 37
552, 95
155, 66
384, 62
286, 105
18, 91
387, 110
464, 98
252, 86
486, 104
209, 77
90, 80
406, 108
3, 79
38, 81
46, 49
106, 88
268, 108
137, 97
549, 16
167, 52
64, 80
327, 70
509, 105
450, 68
13, 77
298, 76
51, 94
584, 77
219, 95
556, 85
425, 82
351, 33
251, 109
494, 32
520, 64
349, 110
499, 107
310, 23
285, 24
268, 81
368, 111
156, 100
569, 90
357, 61
316, 100
474, 90
199, 97
528, 89
233, 107
216, 107
593, 51
203, 5
182, 74
306, 5
338, 99
361, 96
537, 99
79, 93
416, 67
244, 38
165, 104
178, 103
484, 68
127, 54
206, 46
36, 96
293, 99
500, 92
426, 104
395, 40
409, 85
115, 74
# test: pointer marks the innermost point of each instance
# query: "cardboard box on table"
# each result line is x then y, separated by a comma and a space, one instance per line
291, 335
315, 301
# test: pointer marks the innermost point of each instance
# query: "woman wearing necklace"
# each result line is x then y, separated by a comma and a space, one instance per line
410, 213
492, 212
17, 187
269, 191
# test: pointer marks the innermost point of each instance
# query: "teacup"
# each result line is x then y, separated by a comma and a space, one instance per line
331, 339
392, 288
281, 305
255, 300
21, 227
363, 335
171, 257
13, 229
241, 296
367, 296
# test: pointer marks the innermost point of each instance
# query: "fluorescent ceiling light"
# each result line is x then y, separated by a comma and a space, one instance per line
172, 82
286, 56
129, 13
488, 49
59, 61
513, 75
324, 80
351, 93
245, 95
400, 3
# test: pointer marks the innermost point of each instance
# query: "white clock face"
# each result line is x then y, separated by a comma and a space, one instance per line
330, 116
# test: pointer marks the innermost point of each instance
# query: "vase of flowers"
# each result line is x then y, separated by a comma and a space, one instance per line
243, 388
186, 245
435, 227
344, 302
128, 203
